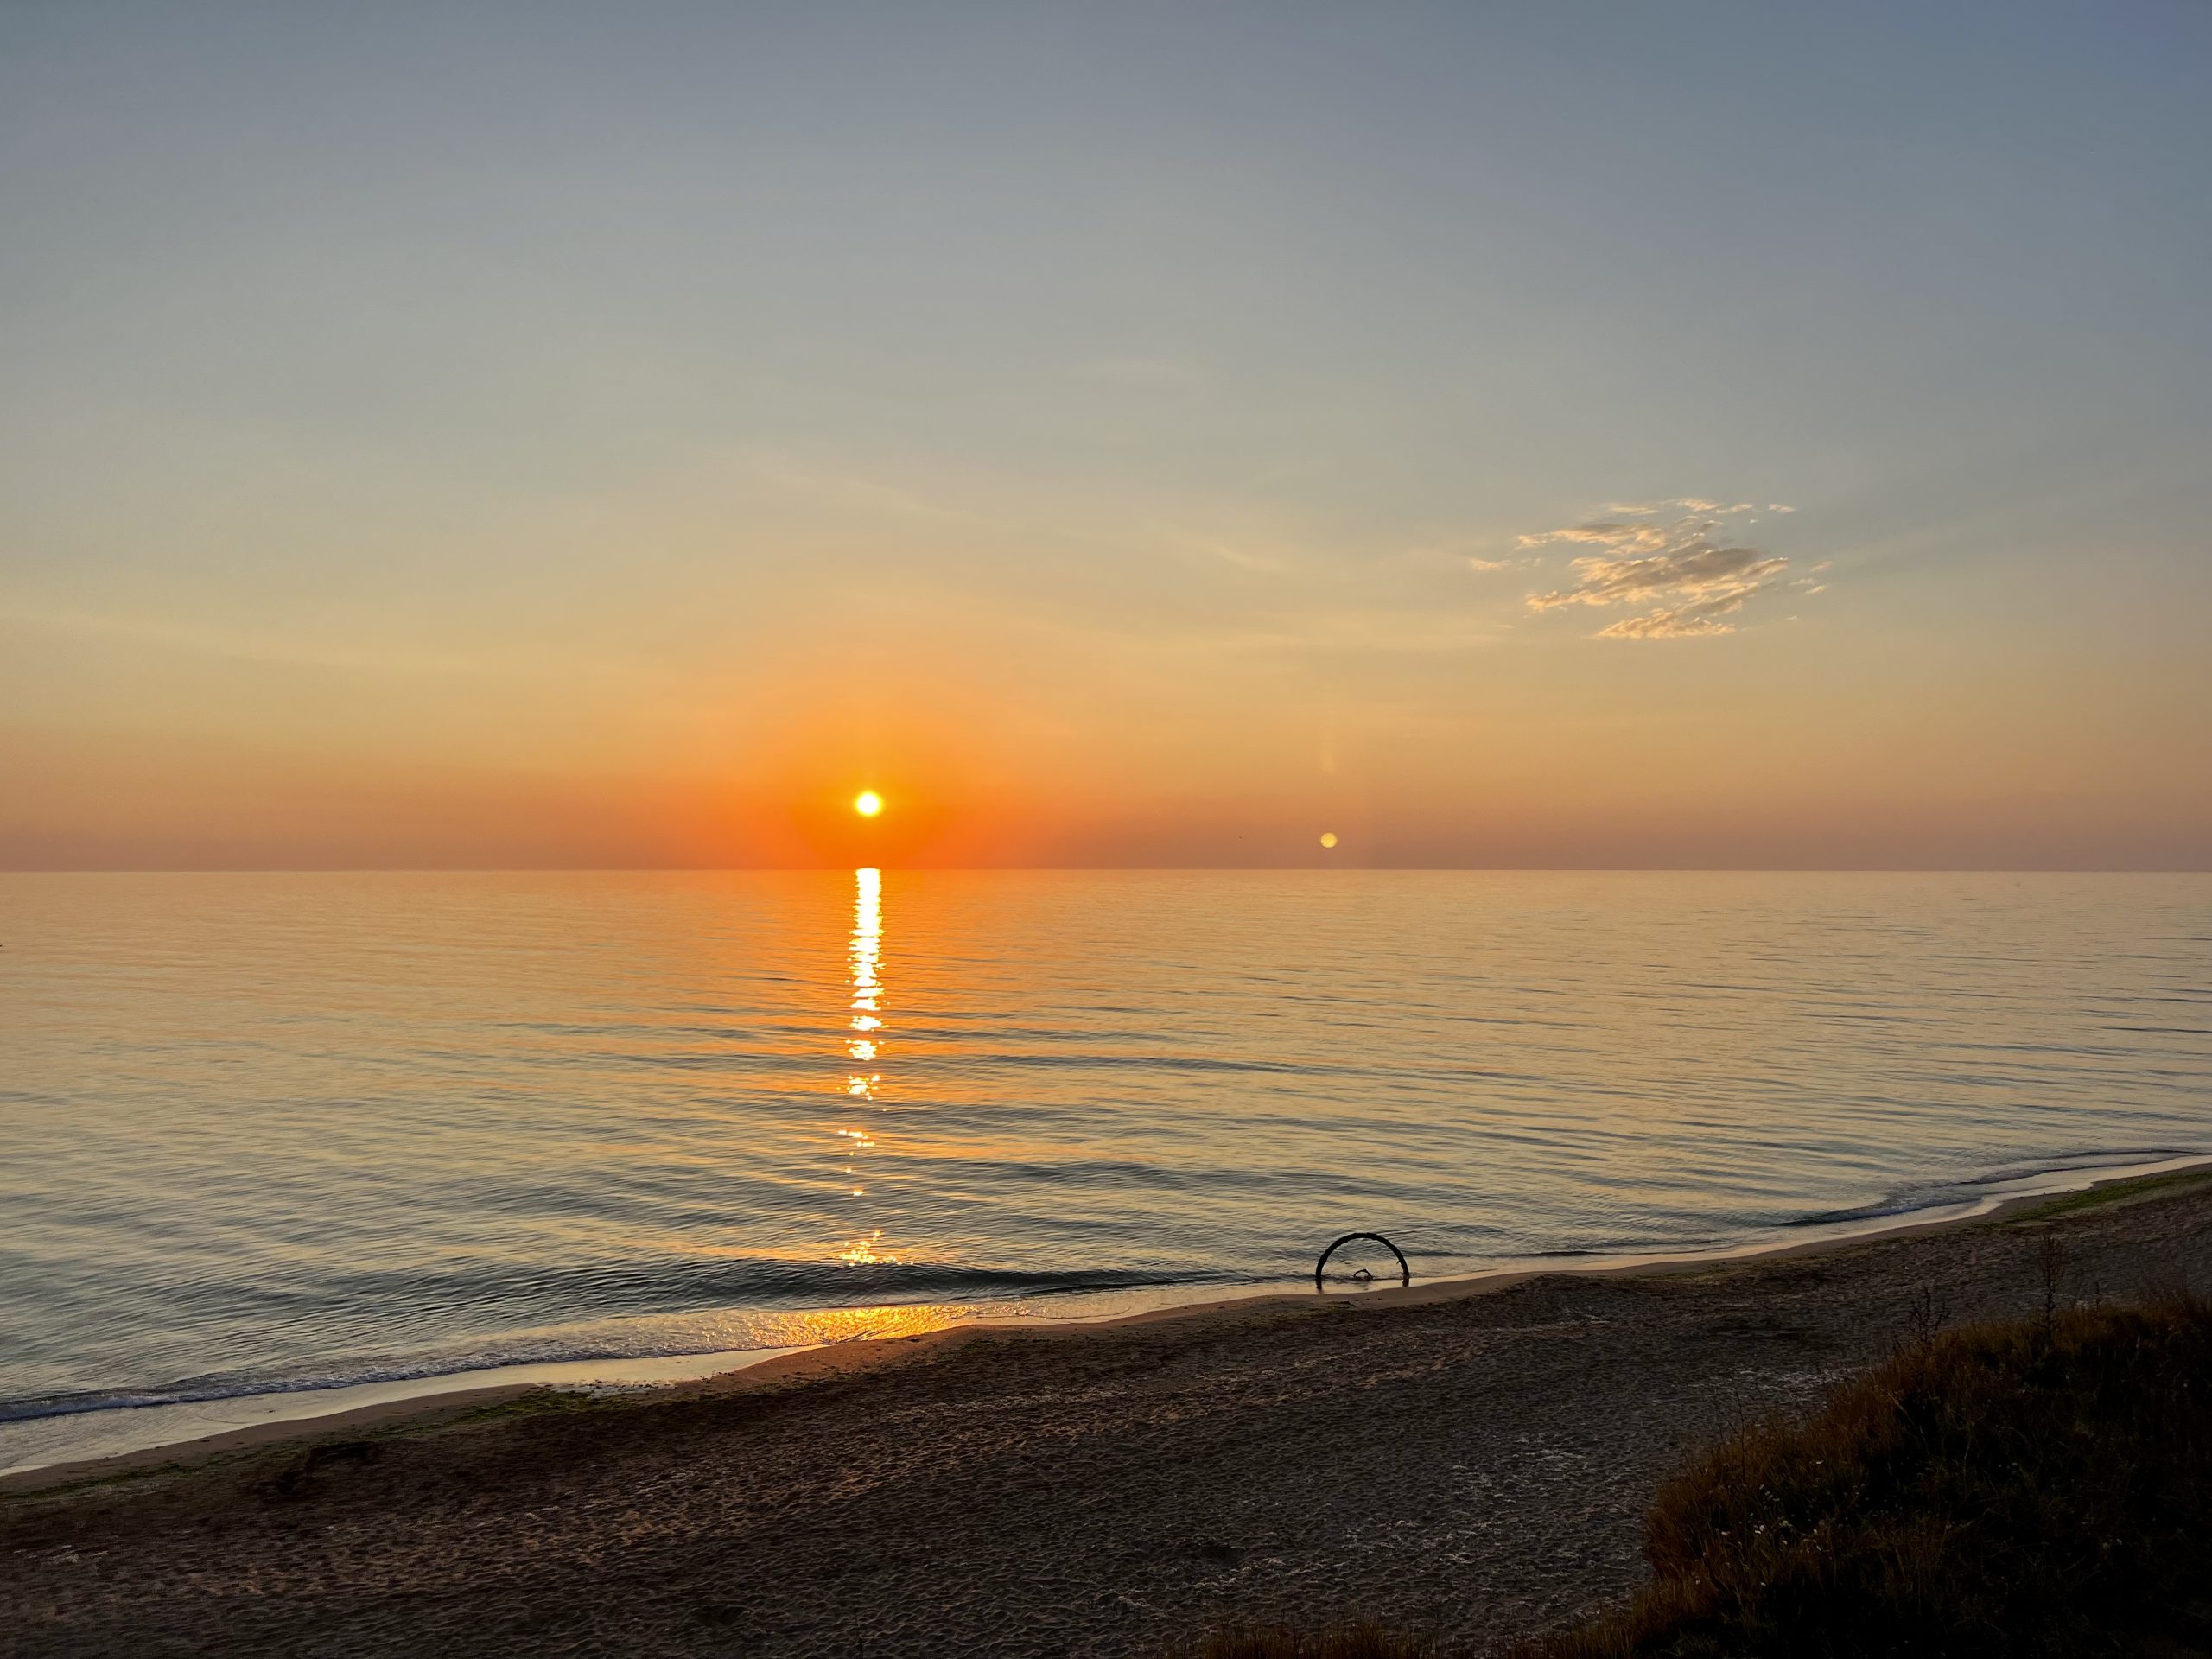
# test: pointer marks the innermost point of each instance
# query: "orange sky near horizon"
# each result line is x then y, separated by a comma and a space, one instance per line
2015, 776
1150, 438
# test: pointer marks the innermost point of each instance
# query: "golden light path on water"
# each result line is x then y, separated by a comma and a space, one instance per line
756, 1118
863, 1046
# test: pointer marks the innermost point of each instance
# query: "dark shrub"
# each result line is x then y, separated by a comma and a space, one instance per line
2039, 1488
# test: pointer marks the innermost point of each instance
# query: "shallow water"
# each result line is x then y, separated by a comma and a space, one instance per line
275, 1131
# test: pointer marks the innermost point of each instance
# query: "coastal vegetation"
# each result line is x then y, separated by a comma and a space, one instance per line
2042, 1486
2106, 1194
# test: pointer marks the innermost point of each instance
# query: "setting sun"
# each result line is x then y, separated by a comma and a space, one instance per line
1739, 600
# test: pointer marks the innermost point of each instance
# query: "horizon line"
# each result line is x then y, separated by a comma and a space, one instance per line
1018, 869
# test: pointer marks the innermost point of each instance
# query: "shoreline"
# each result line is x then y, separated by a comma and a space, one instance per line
768, 1369
1474, 1460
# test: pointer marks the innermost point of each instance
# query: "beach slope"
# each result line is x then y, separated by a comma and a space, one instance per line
1476, 1464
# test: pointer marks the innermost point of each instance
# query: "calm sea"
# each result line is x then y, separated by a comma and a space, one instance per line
276, 1132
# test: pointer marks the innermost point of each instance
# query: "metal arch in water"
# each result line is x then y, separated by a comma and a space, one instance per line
1405, 1273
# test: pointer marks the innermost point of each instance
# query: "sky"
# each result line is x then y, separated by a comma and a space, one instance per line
1561, 434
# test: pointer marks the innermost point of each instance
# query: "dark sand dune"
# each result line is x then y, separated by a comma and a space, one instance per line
1479, 1464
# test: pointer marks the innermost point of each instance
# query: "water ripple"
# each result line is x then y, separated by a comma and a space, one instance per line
278, 1130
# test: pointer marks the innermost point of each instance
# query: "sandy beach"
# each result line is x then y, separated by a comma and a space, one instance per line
1215, 831
1473, 1459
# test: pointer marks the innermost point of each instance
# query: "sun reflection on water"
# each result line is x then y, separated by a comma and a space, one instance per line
864, 1046
860, 1323
867, 954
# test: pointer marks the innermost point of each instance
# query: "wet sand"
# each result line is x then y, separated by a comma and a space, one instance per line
1472, 1458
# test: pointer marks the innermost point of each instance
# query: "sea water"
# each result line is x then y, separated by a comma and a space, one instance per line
292, 1132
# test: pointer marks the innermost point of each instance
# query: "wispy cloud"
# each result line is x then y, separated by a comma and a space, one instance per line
1233, 553
1685, 503
1694, 582
854, 488
279, 647
1683, 622
1160, 371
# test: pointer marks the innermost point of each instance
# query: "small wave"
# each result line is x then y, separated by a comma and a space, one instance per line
1968, 1188
887, 1285
572, 1292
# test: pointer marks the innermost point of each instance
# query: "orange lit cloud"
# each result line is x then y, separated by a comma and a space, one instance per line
1645, 562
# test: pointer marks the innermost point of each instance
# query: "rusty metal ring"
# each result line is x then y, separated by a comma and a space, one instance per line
1405, 1273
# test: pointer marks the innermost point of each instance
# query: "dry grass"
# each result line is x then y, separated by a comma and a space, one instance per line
2039, 1488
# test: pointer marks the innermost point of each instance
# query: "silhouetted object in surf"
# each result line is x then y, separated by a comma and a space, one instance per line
1405, 1273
